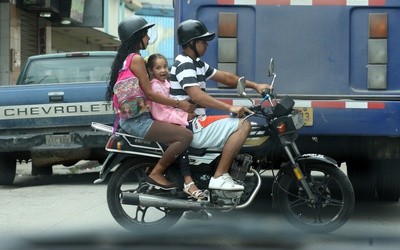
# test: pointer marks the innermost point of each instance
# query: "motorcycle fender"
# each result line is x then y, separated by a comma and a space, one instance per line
111, 161
316, 158
302, 160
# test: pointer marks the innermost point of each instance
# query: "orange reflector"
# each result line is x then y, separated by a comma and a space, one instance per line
378, 25
298, 173
281, 128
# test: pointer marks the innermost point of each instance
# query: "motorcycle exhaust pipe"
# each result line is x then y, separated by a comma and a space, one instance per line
147, 200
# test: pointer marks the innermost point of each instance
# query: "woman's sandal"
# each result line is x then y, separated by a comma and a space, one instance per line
151, 181
198, 194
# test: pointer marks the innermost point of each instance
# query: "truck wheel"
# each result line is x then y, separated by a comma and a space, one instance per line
46, 171
8, 167
363, 177
388, 185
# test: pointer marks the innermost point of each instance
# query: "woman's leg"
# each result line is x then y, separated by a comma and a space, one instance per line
177, 137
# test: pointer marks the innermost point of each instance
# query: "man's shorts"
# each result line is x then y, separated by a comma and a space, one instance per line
212, 131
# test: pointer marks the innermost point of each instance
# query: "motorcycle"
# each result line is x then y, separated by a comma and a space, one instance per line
310, 190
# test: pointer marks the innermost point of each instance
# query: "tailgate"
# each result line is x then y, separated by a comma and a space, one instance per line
52, 106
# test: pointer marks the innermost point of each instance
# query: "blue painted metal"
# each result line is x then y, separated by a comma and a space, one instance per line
320, 53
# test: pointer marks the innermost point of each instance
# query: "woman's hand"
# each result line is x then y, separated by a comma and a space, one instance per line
186, 106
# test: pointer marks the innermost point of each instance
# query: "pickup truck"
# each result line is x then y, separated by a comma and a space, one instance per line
46, 117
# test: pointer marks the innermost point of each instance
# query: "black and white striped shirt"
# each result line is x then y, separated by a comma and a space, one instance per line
185, 73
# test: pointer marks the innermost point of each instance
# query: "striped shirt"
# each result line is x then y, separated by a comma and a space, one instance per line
186, 73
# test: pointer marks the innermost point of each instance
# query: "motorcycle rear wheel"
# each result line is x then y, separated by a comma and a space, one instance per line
333, 207
130, 177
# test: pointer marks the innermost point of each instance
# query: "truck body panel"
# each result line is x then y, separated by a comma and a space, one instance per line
321, 53
30, 105
338, 59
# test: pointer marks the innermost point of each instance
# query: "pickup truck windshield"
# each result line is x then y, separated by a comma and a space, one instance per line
68, 70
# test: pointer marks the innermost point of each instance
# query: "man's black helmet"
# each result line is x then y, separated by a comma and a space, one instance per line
190, 30
131, 25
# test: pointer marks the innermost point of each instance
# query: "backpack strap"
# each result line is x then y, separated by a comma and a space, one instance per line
117, 116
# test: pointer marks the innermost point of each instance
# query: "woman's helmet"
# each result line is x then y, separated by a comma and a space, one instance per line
131, 25
190, 30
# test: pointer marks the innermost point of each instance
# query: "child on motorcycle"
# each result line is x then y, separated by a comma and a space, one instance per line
158, 68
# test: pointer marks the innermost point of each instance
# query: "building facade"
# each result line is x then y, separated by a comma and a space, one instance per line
31, 27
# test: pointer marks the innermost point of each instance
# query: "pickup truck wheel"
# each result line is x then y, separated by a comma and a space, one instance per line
8, 167
388, 185
46, 171
363, 177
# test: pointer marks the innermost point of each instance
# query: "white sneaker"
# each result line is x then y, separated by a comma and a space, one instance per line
224, 182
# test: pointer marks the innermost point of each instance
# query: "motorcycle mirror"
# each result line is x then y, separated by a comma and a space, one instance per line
271, 70
241, 86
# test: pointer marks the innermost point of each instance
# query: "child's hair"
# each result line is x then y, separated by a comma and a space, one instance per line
153, 58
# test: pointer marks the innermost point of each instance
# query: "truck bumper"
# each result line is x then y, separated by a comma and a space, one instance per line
52, 149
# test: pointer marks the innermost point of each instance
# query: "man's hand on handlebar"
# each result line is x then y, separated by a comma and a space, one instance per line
263, 88
239, 111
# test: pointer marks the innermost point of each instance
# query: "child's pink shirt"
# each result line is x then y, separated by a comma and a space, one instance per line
166, 113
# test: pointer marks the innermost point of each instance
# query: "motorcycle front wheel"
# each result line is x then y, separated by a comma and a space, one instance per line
129, 177
334, 203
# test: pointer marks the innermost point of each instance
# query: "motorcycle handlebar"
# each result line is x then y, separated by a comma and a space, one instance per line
267, 93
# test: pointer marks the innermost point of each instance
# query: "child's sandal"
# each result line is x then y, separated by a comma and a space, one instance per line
197, 194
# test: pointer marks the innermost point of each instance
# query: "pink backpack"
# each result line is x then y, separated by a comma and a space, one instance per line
129, 99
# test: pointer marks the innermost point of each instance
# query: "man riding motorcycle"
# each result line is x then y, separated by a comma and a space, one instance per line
188, 81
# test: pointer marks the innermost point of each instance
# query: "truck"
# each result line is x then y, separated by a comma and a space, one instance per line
46, 116
339, 60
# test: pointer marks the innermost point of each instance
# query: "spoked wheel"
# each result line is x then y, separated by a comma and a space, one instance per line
334, 203
130, 178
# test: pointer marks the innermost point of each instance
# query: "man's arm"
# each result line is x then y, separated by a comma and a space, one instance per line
226, 78
231, 80
201, 98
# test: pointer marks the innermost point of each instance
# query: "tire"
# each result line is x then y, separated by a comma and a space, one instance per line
363, 176
335, 199
388, 184
46, 171
129, 177
8, 168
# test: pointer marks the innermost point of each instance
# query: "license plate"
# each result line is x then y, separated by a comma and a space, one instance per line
307, 114
58, 139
